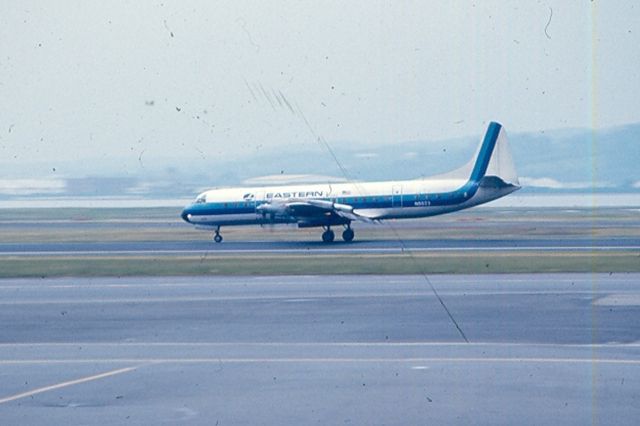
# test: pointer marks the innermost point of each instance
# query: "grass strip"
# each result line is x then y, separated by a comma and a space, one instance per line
392, 264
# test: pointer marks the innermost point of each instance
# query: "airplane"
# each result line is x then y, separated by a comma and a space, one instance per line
488, 176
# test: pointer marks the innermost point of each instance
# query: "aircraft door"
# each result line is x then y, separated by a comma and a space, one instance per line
396, 196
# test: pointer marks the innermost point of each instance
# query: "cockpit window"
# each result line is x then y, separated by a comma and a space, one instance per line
201, 199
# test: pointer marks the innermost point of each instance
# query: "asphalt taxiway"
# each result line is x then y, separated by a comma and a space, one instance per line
527, 349
355, 247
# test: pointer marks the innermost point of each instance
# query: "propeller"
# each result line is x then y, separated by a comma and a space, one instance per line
269, 212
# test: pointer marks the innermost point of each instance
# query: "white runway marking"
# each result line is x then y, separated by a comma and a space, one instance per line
65, 384
304, 360
316, 250
321, 344
619, 299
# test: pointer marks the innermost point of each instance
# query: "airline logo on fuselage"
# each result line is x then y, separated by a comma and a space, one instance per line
294, 194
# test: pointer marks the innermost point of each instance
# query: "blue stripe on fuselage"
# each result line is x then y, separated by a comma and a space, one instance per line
369, 202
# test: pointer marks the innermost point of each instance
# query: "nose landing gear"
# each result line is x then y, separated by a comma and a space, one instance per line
217, 237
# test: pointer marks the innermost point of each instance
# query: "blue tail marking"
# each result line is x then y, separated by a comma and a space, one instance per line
484, 156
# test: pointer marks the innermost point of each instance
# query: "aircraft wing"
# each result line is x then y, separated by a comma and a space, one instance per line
308, 209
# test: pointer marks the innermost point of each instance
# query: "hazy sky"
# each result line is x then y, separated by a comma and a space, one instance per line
206, 81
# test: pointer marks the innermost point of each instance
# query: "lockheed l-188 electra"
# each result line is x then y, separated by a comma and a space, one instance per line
488, 176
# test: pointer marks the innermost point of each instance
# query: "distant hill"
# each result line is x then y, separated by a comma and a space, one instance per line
577, 158
564, 160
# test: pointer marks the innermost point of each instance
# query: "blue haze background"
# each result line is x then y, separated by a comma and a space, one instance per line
144, 99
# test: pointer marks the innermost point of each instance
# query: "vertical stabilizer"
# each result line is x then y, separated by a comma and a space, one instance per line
501, 163
494, 157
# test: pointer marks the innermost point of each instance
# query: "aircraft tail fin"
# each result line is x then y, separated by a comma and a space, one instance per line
494, 157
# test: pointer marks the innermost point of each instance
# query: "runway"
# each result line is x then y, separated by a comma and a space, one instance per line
542, 349
279, 247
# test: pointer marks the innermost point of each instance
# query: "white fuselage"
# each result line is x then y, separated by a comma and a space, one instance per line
375, 200
488, 176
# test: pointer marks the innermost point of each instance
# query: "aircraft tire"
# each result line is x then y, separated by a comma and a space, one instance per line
348, 235
217, 238
328, 236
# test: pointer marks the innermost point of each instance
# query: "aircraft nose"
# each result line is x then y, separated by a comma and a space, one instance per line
185, 215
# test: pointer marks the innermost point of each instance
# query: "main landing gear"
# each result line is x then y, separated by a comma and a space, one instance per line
217, 237
328, 235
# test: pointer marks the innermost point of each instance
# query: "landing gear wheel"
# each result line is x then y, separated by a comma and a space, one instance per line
348, 235
328, 236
